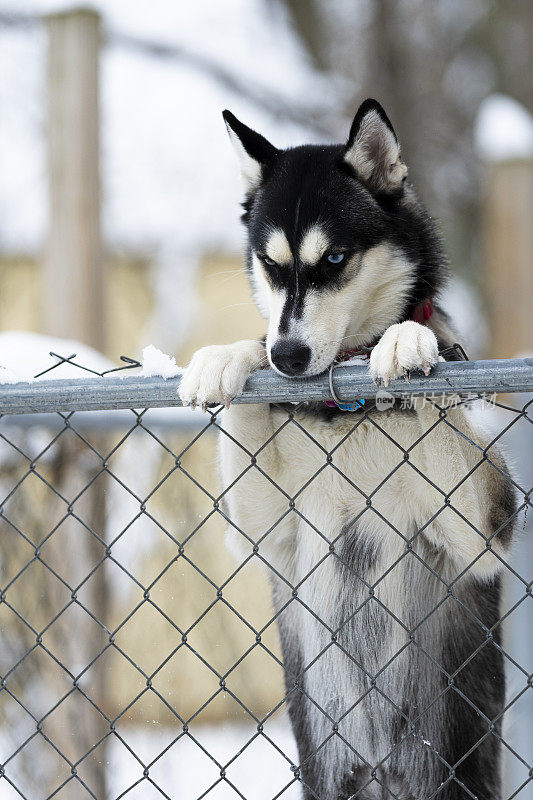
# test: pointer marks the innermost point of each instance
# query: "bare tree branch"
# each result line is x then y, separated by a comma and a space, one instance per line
311, 117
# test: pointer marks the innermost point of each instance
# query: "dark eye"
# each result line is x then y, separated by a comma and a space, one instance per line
336, 258
272, 268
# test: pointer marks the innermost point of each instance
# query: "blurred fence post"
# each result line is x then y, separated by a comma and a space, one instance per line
508, 254
508, 271
74, 307
73, 274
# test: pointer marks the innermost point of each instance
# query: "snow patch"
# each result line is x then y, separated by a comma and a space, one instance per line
24, 354
157, 363
185, 771
8, 376
503, 129
354, 361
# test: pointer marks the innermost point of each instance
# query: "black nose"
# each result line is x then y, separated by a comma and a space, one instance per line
290, 356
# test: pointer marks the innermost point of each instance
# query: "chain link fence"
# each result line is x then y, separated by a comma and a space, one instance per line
139, 659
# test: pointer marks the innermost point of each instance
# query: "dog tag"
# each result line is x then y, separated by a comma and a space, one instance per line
355, 405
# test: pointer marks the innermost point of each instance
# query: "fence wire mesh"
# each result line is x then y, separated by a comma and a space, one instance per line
139, 659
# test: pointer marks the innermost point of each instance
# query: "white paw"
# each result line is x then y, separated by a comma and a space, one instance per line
218, 373
403, 347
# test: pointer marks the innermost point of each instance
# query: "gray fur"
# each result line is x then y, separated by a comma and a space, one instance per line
398, 720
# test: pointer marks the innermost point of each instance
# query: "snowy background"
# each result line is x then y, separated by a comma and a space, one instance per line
170, 188
457, 80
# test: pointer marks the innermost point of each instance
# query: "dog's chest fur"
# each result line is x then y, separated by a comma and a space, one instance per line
357, 589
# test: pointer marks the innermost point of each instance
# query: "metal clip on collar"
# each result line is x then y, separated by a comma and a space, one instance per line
353, 406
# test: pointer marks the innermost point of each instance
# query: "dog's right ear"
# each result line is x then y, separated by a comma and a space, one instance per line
254, 152
373, 151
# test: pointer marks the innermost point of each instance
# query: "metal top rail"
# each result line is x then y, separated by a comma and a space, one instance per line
264, 386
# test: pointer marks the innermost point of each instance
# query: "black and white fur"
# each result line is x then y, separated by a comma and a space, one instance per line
390, 643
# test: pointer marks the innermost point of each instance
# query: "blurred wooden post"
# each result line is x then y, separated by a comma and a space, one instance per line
508, 240
73, 273
74, 307
508, 262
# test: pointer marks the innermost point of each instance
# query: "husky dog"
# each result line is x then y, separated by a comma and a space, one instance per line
383, 533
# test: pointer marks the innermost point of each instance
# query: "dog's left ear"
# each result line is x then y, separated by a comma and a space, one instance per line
254, 152
373, 151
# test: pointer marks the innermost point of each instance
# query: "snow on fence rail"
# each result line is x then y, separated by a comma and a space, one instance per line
138, 658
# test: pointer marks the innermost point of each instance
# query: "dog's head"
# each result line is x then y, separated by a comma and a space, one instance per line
339, 248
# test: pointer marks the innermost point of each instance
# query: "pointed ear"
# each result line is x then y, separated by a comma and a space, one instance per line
253, 151
373, 150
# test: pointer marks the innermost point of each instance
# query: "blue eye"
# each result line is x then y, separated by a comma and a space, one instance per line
336, 258
269, 261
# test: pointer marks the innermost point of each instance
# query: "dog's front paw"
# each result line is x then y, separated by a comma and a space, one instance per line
403, 347
218, 373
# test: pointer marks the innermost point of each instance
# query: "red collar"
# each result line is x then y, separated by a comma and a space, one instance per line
422, 313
